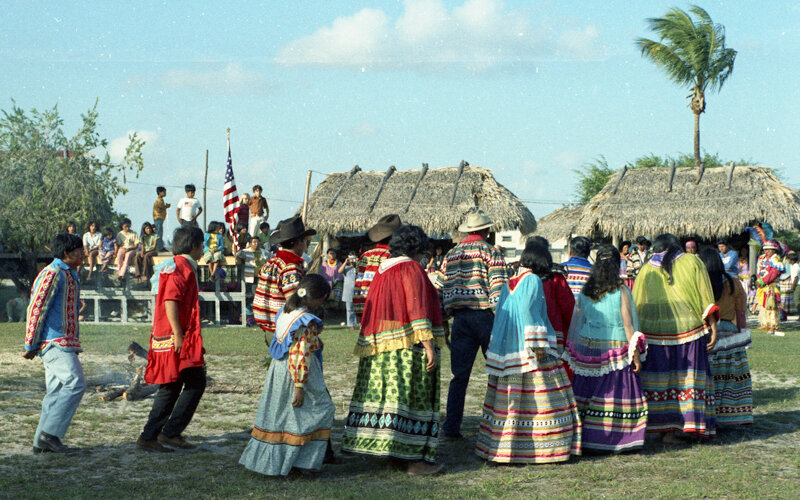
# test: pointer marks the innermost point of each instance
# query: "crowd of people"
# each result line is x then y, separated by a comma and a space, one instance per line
588, 355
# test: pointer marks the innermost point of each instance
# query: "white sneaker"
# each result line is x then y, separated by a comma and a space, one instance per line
779, 334
342, 323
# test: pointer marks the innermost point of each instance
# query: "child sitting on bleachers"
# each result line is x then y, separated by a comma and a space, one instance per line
108, 248
213, 246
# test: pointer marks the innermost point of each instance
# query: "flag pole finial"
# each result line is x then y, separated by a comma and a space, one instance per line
229, 132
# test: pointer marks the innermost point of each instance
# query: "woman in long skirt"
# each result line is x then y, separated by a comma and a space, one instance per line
295, 413
733, 388
768, 270
394, 411
529, 413
605, 350
676, 310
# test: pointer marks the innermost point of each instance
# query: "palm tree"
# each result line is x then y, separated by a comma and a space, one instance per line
693, 54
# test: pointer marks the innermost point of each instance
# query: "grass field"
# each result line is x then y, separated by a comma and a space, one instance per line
760, 461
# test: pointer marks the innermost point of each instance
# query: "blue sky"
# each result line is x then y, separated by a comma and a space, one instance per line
531, 90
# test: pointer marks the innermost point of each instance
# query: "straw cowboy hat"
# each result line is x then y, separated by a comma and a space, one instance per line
384, 228
475, 221
290, 229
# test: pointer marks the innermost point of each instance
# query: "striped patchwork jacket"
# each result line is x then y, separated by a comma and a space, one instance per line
367, 267
473, 275
278, 279
52, 318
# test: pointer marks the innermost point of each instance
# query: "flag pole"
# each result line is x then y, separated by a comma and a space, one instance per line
205, 181
305, 196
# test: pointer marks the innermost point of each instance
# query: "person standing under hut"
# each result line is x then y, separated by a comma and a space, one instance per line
176, 358
472, 277
676, 308
733, 388
638, 256
281, 275
529, 412
52, 333
768, 297
368, 264
578, 266
606, 350
394, 411
295, 413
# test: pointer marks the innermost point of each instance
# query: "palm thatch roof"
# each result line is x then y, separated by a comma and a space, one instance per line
435, 199
656, 200
560, 224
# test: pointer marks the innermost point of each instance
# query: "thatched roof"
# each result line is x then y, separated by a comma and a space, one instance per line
342, 203
560, 224
719, 205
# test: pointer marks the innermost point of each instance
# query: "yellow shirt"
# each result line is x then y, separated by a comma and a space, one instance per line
159, 209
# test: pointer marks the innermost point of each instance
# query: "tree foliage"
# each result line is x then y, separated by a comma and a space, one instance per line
49, 178
592, 177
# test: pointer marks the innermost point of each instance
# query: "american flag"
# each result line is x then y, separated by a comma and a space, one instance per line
230, 201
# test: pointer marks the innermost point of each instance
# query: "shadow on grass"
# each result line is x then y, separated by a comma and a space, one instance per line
763, 397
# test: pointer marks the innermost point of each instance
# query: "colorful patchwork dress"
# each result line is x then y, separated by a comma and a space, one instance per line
676, 376
367, 267
285, 437
529, 413
733, 388
395, 406
768, 296
602, 340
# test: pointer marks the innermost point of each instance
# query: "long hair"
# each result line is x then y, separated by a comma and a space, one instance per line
667, 243
605, 273
716, 271
311, 287
537, 258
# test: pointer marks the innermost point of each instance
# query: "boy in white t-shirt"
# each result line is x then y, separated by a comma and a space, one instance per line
189, 208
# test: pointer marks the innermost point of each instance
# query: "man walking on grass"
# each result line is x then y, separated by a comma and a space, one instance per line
51, 333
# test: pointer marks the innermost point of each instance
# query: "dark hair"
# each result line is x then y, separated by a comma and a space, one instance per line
263, 225
213, 227
641, 240
161, 189
723, 241
716, 271
580, 246
124, 221
312, 286
241, 226
408, 240
71, 223
625, 242
89, 225
185, 238
537, 258
539, 240
144, 226
605, 273
792, 257
189, 187
108, 230
667, 243
257, 186
64, 243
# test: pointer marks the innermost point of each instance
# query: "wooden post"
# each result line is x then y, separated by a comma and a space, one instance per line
731, 166
305, 196
205, 181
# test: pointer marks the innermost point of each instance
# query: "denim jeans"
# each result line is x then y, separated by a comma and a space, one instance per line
65, 384
175, 403
159, 223
472, 329
350, 313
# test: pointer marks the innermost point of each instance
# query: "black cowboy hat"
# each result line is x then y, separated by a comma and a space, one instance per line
290, 229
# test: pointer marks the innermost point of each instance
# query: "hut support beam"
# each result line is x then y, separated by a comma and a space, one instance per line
700, 172
389, 173
619, 181
731, 166
671, 175
416, 186
356, 169
458, 177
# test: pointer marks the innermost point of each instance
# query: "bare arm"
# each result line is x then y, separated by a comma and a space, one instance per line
430, 355
627, 322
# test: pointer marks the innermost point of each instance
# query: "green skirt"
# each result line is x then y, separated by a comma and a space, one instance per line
395, 407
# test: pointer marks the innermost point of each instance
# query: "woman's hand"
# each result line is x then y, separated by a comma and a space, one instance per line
29, 354
299, 396
713, 339
636, 362
430, 355
177, 342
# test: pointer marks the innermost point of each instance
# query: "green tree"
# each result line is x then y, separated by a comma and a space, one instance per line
592, 177
49, 178
692, 52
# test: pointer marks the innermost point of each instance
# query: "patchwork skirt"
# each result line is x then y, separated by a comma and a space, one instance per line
394, 411
679, 388
613, 410
733, 388
283, 436
530, 418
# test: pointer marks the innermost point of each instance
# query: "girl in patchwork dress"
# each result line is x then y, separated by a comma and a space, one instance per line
606, 349
529, 413
295, 413
733, 388
394, 411
768, 270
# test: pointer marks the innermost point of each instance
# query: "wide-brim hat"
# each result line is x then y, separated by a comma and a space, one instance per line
770, 245
290, 229
384, 227
475, 221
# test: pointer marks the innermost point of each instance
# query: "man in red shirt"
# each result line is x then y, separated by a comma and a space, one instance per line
281, 275
175, 361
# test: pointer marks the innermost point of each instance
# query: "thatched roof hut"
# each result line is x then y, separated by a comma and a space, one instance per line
560, 224
435, 199
656, 200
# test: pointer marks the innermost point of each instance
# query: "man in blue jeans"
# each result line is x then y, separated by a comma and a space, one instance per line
473, 274
52, 333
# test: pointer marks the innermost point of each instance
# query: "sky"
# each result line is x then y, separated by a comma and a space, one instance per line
530, 90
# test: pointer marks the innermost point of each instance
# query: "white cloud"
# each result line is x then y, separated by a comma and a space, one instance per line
477, 35
116, 147
365, 129
232, 78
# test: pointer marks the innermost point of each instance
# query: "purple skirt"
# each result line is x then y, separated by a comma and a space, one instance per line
613, 410
679, 387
